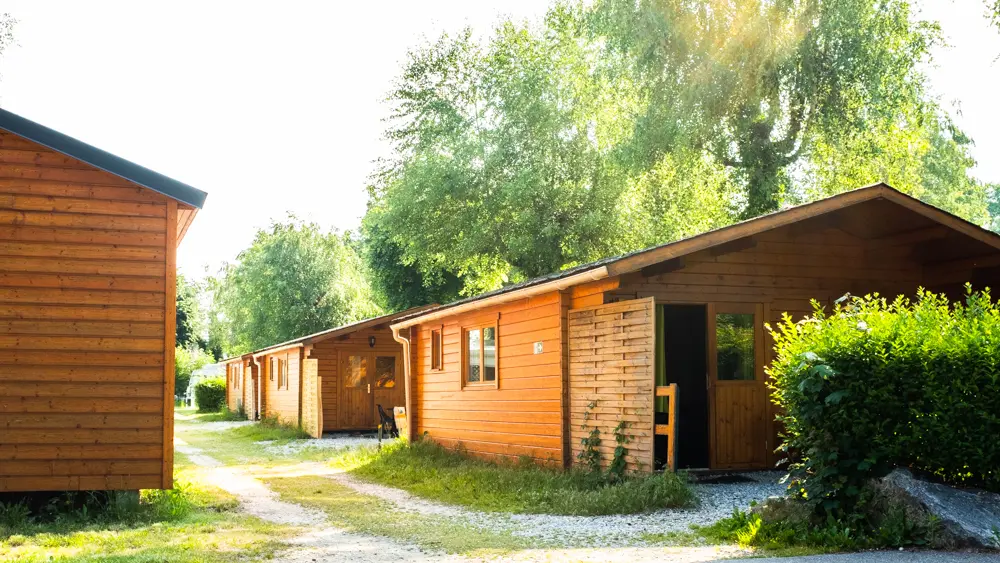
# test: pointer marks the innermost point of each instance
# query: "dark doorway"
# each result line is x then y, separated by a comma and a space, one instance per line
685, 329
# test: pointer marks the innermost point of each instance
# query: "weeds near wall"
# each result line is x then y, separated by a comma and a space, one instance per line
616, 471
590, 457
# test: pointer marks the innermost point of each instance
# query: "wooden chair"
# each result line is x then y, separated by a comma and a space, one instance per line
387, 424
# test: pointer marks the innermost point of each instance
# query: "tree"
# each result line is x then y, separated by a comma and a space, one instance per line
620, 124
186, 360
190, 318
292, 281
504, 165
758, 82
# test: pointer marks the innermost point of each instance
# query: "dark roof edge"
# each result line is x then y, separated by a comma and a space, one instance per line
101, 159
330, 332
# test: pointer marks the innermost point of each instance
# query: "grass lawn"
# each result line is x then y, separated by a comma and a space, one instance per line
198, 524
369, 515
433, 472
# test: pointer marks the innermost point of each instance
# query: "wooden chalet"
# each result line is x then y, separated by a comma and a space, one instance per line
87, 314
322, 382
671, 339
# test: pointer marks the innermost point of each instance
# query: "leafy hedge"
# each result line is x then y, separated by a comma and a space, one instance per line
210, 395
879, 384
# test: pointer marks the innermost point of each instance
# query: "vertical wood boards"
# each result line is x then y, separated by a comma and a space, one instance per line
312, 409
611, 378
87, 297
523, 415
169, 333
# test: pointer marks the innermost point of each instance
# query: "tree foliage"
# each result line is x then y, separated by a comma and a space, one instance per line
190, 316
293, 280
620, 124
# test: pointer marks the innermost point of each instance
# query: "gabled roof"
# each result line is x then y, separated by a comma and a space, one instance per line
639, 259
101, 159
330, 333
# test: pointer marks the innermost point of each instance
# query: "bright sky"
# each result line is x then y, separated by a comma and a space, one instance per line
276, 107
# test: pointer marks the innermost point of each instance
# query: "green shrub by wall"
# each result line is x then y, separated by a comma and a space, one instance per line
878, 384
210, 395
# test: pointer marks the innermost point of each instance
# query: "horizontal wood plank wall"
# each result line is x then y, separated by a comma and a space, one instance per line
84, 344
282, 402
326, 352
783, 269
522, 417
611, 379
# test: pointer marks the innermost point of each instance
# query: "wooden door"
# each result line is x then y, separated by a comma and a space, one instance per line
387, 383
738, 397
355, 390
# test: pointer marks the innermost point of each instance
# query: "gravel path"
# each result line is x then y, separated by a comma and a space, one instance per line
336, 442
324, 543
717, 501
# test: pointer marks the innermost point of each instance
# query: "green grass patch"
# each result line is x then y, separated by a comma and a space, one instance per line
269, 429
192, 523
369, 515
431, 471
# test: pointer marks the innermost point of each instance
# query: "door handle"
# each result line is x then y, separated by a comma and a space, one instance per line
369, 388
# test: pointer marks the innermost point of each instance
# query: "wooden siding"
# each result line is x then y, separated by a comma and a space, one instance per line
782, 269
326, 351
86, 325
282, 402
522, 416
611, 378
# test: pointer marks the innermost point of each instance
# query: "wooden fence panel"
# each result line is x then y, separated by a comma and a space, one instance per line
312, 408
611, 378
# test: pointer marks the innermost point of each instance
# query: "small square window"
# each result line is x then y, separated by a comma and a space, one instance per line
479, 350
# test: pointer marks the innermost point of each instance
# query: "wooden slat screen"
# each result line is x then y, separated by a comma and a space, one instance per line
611, 378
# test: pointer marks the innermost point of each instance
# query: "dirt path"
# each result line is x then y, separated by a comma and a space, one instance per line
324, 543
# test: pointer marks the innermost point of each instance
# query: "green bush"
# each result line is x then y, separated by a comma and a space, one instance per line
210, 395
878, 384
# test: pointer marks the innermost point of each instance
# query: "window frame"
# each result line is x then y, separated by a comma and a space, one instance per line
437, 355
481, 327
283, 372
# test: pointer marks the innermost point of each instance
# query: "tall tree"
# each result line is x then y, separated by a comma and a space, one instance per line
619, 124
757, 82
293, 280
503, 167
190, 318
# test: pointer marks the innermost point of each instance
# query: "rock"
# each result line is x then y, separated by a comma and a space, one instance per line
971, 517
782, 509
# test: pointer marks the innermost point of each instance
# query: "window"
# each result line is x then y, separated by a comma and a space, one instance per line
280, 365
734, 333
273, 370
437, 350
356, 372
385, 372
479, 348
237, 376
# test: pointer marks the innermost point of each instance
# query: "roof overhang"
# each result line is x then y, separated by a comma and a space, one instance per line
638, 260
103, 160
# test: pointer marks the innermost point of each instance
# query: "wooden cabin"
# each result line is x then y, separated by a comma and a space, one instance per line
87, 314
324, 382
669, 340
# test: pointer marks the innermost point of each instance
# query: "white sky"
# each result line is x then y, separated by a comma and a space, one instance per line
276, 107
